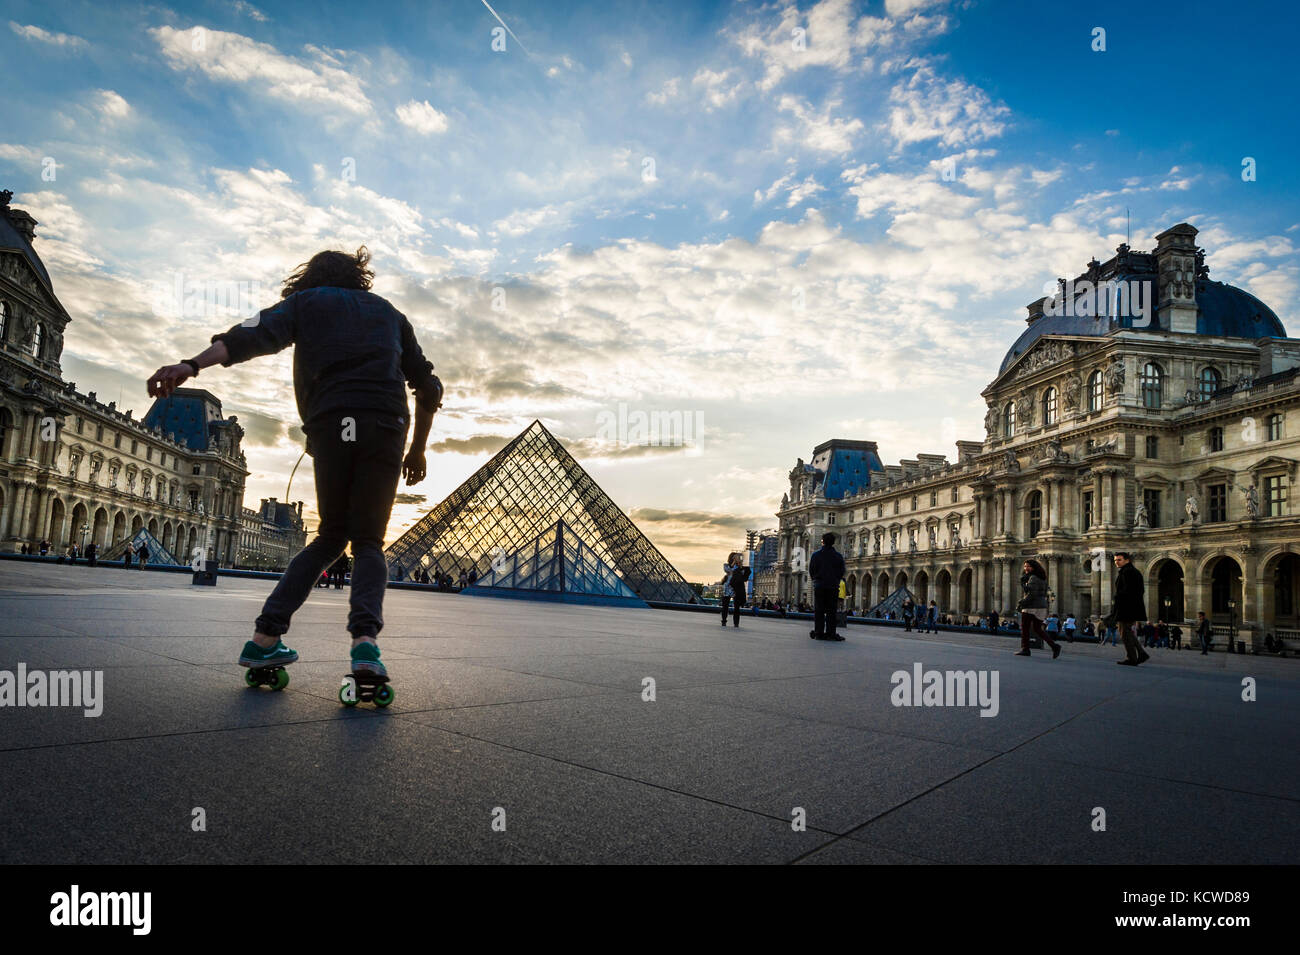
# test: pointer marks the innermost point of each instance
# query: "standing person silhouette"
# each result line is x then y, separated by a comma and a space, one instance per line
734, 576
826, 570
1129, 609
353, 354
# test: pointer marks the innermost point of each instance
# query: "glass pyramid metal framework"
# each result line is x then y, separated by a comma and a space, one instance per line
158, 555
528, 486
556, 566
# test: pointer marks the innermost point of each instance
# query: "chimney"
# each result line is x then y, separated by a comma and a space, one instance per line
932, 462
1035, 310
1176, 273
968, 450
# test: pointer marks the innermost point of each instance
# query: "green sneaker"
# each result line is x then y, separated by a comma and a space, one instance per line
258, 657
365, 659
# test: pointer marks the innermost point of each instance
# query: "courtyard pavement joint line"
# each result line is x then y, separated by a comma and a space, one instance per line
971, 769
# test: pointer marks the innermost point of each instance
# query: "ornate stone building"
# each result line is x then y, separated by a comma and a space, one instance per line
75, 470
270, 537
1169, 429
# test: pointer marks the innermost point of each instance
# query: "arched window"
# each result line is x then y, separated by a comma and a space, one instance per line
1035, 513
1009, 419
1049, 407
6, 425
1208, 383
1151, 384
38, 339
1095, 393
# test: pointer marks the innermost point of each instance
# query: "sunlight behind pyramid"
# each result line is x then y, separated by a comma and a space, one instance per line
555, 566
521, 493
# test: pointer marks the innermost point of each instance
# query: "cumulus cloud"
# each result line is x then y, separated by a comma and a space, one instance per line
925, 106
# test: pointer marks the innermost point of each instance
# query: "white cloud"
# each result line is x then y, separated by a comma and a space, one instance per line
951, 111
817, 131
317, 80
111, 104
65, 40
422, 118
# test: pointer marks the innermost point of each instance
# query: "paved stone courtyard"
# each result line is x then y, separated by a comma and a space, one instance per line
538, 710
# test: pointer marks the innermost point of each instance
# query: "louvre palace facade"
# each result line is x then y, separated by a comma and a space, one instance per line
1145, 408
74, 469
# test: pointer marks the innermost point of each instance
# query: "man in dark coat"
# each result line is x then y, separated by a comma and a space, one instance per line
826, 570
1129, 609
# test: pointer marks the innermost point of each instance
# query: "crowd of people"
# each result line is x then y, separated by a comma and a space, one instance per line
1032, 621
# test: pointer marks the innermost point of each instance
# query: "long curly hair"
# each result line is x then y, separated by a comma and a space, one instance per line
1036, 569
331, 269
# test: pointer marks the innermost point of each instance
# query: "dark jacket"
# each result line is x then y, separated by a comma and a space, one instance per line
738, 579
826, 568
1035, 590
354, 351
1129, 605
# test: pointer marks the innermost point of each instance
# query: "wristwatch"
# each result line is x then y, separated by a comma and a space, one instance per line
193, 364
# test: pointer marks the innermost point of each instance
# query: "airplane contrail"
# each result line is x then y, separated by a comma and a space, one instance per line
504, 24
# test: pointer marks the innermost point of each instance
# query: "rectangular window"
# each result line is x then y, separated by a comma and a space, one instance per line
1218, 503
99, 432
913, 502
1151, 499
1153, 446
1275, 427
148, 454
897, 506
135, 447
117, 440
1087, 510
830, 518
1216, 439
1275, 495
880, 510
954, 495
934, 498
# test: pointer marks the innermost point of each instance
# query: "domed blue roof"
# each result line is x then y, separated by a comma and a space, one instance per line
1222, 310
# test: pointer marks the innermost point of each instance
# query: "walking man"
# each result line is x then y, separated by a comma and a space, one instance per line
142, 552
1129, 609
826, 568
353, 354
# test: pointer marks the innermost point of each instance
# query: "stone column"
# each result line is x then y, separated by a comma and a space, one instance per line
1054, 488
1100, 507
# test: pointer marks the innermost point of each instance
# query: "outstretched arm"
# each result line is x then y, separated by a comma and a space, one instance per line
170, 377
414, 468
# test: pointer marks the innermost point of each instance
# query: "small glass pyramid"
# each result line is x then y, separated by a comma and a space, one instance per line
159, 556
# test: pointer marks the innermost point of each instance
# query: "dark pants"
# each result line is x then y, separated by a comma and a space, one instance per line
825, 605
355, 484
1029, 623
737, 602
1132, 646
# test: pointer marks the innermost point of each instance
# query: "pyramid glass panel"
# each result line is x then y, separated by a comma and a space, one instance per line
557, 565
514, 499
158, 555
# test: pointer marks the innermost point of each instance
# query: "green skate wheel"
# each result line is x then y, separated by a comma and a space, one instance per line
250, 679
383, 695
281, 680
345, 692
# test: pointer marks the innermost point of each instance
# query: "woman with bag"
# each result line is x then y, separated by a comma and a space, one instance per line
1033, 608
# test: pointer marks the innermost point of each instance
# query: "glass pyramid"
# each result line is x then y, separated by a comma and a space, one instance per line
528, 487
556, 565
158, 555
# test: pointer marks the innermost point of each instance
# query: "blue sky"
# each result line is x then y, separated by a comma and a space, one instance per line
688, 208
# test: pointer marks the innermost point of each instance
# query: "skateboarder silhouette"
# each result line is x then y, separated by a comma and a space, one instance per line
353, 354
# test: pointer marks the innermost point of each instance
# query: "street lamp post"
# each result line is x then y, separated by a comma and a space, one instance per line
1232, 626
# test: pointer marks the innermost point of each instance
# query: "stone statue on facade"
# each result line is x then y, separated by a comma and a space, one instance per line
991, 422
1252, 500
893, 542
932, 539
876, 548
1009, 461
1141, 518
1193, 508
1071, 393
1025, 411
1115, 376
